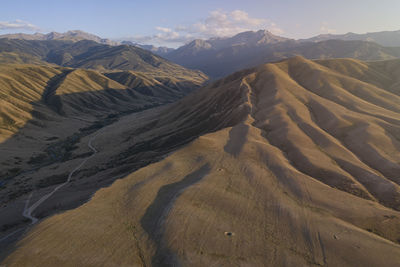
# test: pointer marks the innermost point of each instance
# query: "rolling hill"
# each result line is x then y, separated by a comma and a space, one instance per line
289, 163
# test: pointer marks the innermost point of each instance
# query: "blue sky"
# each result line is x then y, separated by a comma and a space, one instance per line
173, 22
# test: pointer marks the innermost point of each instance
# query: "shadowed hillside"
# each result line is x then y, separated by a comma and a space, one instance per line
91, 55
21, 85
293, 163
28, 92
46, 114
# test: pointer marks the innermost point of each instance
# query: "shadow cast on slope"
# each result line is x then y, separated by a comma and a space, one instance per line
166, 129
154, 218
49, 97
237, 139
50, 115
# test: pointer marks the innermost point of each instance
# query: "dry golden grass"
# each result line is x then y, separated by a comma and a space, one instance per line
42, 106
302, 166
22, 86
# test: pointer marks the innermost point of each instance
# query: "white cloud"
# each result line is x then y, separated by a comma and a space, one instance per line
242, 17
221, 24
18, 25
162, 29
163, 37
326, 29
275, 29
217, 24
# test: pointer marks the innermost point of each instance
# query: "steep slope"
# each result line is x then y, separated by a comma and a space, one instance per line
45, 111
293, 163
20, 86
159, 85
220, 57
40, 93
122, 57
164, 80
31, 50
91, 55
80, 91
43, 107
21, 58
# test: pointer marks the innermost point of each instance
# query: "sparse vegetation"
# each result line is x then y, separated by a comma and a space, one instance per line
286, 163
52, 180
38, 159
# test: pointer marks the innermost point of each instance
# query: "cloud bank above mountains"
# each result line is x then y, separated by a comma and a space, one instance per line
18, 25
218, 23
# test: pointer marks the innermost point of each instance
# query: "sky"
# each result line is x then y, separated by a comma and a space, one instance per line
175, 22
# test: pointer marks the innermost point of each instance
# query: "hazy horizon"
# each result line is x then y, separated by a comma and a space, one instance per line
177, 22
168, 45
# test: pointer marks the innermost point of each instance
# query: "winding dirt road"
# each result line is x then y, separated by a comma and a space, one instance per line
27, 212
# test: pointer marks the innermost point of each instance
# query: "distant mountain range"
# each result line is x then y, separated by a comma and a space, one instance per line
385, 38
74, 36
222, 56
77, 35
216, 57
158, 50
